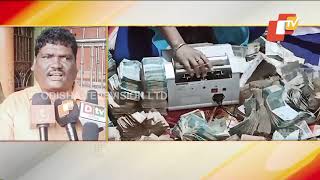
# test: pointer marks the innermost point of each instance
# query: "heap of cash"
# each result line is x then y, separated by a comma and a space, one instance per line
301, 93
258, 120
130, 81
299, 103
264, 127
140, 124
112, 68
269, 112
299, 131
279, 105
154, 85
297, 97
193, 126
282, 114
251, 122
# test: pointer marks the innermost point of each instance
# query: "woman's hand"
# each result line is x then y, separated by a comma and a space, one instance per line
194, 61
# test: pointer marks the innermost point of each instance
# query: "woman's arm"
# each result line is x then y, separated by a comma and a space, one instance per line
193, 60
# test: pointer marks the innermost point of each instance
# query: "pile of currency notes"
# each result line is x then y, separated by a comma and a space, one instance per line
266, 111
257, 119
282, 108
141, 124
283, 104
251, 122
193, 126
154, 85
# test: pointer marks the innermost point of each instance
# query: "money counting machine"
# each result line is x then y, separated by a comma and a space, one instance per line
219, 87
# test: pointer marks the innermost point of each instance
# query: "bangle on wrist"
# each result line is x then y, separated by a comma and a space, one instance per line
178, 47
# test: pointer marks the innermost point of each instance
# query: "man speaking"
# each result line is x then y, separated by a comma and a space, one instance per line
31, 114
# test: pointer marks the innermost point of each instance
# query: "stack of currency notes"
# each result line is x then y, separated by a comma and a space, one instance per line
124, 89
244, 51
130, 81
120, 108
118, 103
154, 95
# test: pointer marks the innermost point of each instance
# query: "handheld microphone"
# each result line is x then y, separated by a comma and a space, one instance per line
42, 114
67, 114
91, 113
90, 132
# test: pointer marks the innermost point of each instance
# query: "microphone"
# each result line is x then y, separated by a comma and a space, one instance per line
67, 114
90, 132
91, 113
42, 114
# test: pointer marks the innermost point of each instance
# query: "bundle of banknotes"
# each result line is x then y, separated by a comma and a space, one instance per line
124, 89
154, 84
119, 107
141, 124
130, 80
246, 51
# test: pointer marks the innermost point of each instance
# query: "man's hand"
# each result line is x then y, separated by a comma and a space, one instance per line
193, 61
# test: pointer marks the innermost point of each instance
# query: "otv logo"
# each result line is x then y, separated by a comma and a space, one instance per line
285, 24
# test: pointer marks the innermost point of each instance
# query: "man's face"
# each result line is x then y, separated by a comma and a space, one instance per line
55, 68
